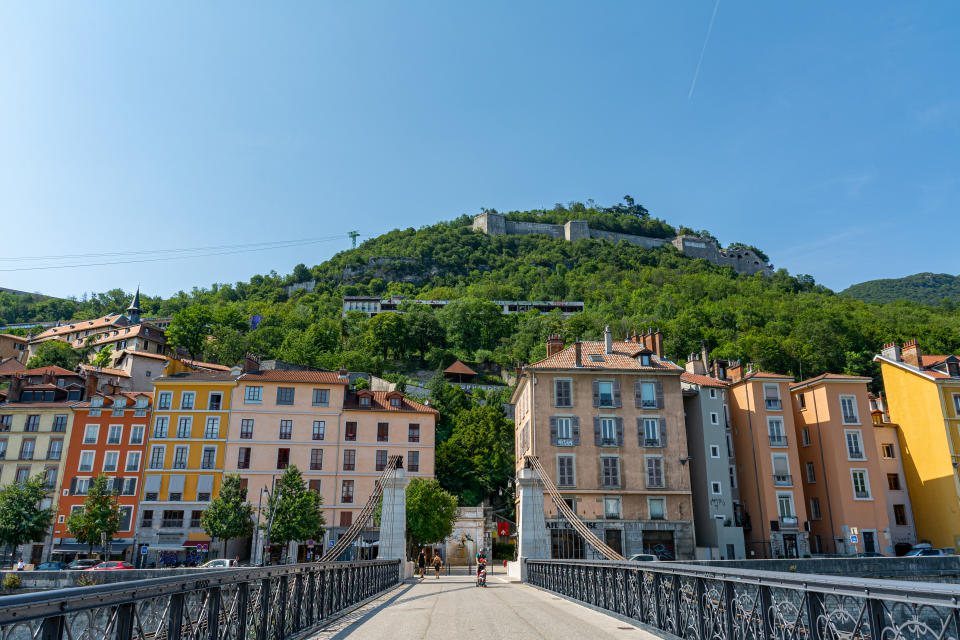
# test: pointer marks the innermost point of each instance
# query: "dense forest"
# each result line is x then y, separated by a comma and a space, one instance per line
940, 289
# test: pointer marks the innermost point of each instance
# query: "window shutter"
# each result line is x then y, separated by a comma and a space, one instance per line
555, 398
616, 393
73, 486
637, 392
596, 393
553, 430
596, 427
575, 429
640, 431
663, 432
570, 390
619, 432
659, 394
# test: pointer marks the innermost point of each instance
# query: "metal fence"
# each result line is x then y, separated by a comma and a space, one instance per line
695, 602
267, 603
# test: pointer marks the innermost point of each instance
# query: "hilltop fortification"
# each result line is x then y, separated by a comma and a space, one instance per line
742, 260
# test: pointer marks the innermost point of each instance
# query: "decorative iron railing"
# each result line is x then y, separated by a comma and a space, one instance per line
701, 603
264, 603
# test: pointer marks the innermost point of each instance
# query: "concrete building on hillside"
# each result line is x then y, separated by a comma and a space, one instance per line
372, 305
620, 461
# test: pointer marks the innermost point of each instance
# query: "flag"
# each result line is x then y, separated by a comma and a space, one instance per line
503, 528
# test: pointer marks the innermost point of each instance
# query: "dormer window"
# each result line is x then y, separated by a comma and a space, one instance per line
596, 357
364, 401
953, 369
395, 402
645, 360
96, 401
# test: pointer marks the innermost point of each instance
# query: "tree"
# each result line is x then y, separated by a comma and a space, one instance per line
229, 514
55, 353
477, 459
449, 401
100, 515
104, 357
423, 330
431, 512
472, 323
296, 510
387, 333
22, 518
189, 329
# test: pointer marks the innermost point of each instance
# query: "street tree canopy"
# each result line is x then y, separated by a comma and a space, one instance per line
189, 329
22, 519
431, 512
100, 514
55, 353
477, 459
296, 510
229, 514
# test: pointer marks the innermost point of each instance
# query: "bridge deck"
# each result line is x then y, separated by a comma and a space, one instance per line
453, 608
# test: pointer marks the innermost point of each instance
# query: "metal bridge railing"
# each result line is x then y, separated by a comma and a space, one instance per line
699, 603
264, 603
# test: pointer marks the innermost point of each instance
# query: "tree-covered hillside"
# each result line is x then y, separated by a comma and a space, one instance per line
928, 288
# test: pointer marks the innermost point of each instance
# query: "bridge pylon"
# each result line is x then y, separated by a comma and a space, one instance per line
531, 521
393, 519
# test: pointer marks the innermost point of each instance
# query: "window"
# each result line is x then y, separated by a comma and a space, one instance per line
604, 394
283, 458
86, 461
350, 431
648, 395
133, 461
413, 461
160, 427
644, 359
888, 451
771, 397
776, 433
33, 423
215, 402
611, 471
212, 429
91, 433
349, 459
195, 517
319, 427
805, 436
562, 393
110, 460
848, 406
956, 404
611, 507
3, 449
346, 517
802, 401
186, 400
26, 449
180, 457
714, 417
172, 519
364, 401
781, 470
81, 487
395, 402
315, 486
208, 459
50, 478
252, 395
115, 434
811, 474
854, 445
136, 434
657, 508
652, 435
861, 484
654, 465
129, 487
286, 429
565, 472
733, 476
608, 432
815, 509
953, 369
284, 395
785, 506
146, 518
381, 463
413, 433
165, 400
60, 423
713, 394
54, 451
383, 432
246, 429
346, 492
716, 488
900, 514
156, 457
243, 458
316, 460
714, 451
321, 397
184, 426
893, 481
5, 421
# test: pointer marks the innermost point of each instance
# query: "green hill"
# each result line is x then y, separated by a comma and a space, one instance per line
928, 288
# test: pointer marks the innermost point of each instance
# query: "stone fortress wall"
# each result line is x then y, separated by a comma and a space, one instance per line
742, 261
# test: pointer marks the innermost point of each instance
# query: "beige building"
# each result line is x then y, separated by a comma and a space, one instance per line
606, 420
12, 346
903, 532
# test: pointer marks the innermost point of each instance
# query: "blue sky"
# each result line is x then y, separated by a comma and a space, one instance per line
825, 133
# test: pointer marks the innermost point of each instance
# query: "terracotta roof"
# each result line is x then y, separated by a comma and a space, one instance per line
280, 375
52, 370
823, 377
80, 325
144, 354
13, 336
460, 369
201, 376
763, 375
40, 387
105, 371
703, 381
928, 362
108, 399
204, 365
125, 333
623, 358
379, 402
10, 365
38, 405
932, 361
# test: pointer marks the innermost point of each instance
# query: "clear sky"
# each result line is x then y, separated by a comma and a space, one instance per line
825, 133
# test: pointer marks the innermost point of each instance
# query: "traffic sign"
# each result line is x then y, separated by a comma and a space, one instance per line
854, 531
143, 549
853, 539
310, 543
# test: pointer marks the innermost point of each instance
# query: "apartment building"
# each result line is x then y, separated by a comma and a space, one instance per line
13, 346
923, 398
764, 440
840, 472
717, 528
108, 437
620, 462
903, 532
185, 456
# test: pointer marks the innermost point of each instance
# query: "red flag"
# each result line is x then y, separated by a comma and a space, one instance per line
503, 528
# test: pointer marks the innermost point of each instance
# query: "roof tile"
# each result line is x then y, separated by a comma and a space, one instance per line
623, 358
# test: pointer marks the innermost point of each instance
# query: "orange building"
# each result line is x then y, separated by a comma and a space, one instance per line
843, 482
108, 437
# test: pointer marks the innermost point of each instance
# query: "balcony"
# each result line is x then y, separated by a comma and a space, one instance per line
773, 404
782, 480
789, 523
777, 440
856, 454
172, 524
861, 495
660, 441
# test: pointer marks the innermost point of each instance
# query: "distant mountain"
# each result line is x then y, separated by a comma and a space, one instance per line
928, 288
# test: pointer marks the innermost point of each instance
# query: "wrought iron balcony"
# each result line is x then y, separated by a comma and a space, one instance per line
774, 404
789, 523
777, 440
782, 480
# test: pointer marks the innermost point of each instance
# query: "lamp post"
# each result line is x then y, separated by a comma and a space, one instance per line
273, 499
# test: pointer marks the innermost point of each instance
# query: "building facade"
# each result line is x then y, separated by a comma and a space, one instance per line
840, 472
923, 398
13, 346
903, 532
763, 434
606, 421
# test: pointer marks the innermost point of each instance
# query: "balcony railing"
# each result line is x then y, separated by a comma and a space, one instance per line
861, 494
856, 454
777, 440
660, 441
789, 523
782, 480
172, 524
774, 404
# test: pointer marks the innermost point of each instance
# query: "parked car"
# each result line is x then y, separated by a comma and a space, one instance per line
111, 565
83, 563
643, 557
870, 554
50, 566
926, 553
219, 563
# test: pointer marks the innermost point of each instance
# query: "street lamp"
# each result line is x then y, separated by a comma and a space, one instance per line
273, 499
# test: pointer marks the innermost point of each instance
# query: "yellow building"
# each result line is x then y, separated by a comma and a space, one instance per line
923, 397
185, 457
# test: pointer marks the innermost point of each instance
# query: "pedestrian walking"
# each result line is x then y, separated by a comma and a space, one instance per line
422, 563
20, 564
437, 563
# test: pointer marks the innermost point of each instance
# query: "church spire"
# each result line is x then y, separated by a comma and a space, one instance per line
133, 311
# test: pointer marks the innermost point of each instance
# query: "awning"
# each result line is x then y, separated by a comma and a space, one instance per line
74, 547
152, 483
193, 543
164, 547
205, 484
176, 483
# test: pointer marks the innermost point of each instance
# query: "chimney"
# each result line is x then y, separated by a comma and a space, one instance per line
16, 388
342, 373
911, 353
250, 363
694, 365
578, 357
607, 340
656, 343
92, 379
891, 351
703, 354
554, 345
735, 371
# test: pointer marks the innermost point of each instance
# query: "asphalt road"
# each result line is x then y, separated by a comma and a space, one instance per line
452, 608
